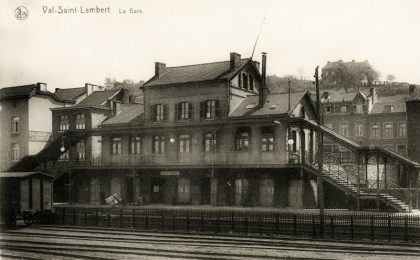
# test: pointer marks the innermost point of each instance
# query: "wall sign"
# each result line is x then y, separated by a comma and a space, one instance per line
169, 173
38, 136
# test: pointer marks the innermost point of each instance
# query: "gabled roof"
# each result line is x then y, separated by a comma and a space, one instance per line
27, 91
397, 107
341, 95
276, 103
97, 99
350, 65
70, 93
197, 73
130, 114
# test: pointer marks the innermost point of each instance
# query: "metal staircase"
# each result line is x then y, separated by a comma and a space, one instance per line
51, 152
348, 181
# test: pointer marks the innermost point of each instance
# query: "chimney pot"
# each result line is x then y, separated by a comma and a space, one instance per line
235, 60
160, 68
88, 88
42, 86
411, 89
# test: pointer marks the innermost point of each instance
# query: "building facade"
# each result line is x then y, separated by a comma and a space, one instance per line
26, 121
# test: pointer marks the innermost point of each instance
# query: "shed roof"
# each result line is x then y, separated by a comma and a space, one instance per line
130, 113
70, 93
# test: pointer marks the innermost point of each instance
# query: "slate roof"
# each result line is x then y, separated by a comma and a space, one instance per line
97, 99
27, 91
398, 107
130, 114
70, 93
196, 73
350, 64
415, 96
342, 95
276, 103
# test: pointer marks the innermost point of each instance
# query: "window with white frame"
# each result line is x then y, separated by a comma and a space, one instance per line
116, 145
80, 121
359, 130
210, 109
81, 152
159, 113
344, 129
242, 140
184, 111
267, 139
158, 144
135, 145
184, 143
15, 152
15, 125
375, 131
388, 130
402, 130
64, 123
209, 142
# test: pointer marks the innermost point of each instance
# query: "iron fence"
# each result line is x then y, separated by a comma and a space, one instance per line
341, 226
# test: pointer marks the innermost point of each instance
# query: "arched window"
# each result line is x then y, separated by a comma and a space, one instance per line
251, 83
15, 152
15, 124
245, 81
302, 112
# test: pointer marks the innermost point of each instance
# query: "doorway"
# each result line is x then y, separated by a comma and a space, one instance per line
157, 185
205, 191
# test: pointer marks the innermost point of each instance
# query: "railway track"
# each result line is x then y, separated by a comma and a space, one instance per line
45, 242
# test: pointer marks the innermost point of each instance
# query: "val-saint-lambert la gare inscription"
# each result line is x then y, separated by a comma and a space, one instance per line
87, 10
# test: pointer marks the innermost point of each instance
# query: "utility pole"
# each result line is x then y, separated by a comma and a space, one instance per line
320, 138
288, 83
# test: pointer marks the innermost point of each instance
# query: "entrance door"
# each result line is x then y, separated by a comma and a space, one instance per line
94, 190
295, 193
156, 188
205, 191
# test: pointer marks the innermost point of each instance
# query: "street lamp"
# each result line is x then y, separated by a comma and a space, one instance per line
62, 148
172, 140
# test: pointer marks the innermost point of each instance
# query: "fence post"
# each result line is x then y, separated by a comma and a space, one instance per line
64, 214
134, 218
277, 224
332, 227
217, 222
188, 221
352, 227
162, 221
74, 216
147, 220
232, 216
121, 218
406, 228
108, 218
202, 221
173, 220
246, 224
313, 226
294, 225
409, 196
389, 228
96, 217
260, 224
372, 228
85, 217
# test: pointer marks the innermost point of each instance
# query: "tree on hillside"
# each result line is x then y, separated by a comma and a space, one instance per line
348, 77
390, 77
109, 83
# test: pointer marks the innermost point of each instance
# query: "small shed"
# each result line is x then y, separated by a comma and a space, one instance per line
26, 191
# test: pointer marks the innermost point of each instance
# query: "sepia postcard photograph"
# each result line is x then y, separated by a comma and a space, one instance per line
210, 129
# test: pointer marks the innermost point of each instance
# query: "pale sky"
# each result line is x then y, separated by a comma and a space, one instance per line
67, 50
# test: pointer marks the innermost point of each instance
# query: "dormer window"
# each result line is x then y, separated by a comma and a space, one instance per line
251, 83
245, 81
388, 109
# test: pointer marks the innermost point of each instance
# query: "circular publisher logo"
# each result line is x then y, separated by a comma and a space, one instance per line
21, 13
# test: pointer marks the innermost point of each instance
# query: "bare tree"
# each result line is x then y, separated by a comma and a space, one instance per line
390, 77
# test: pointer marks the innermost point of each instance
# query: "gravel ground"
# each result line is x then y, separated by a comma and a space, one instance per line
71, 243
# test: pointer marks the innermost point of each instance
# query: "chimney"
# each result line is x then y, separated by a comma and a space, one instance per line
116, 107
411, 89
88, 88
373, 94
235, 60
160, 68
263, 90
41, 86
57, 89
